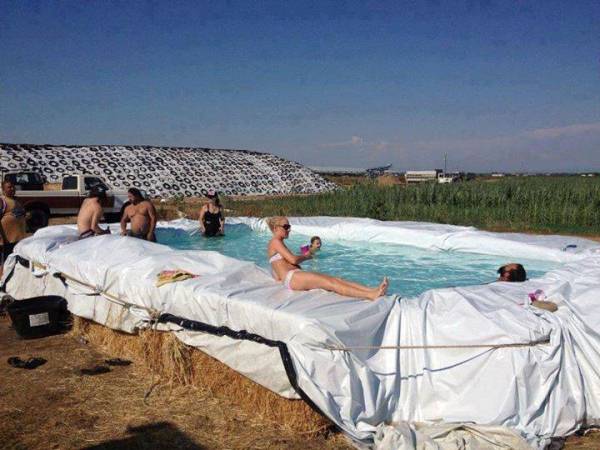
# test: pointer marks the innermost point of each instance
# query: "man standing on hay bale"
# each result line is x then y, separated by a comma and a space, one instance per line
142, 215
12, 221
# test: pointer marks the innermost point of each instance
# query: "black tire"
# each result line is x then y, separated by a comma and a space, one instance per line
36, 218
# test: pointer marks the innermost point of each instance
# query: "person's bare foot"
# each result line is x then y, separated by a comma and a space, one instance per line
381, 290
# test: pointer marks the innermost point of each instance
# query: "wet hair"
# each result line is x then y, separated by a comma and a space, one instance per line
215, 195
272, 222
518, 273
314, 238
136, 193
95, 192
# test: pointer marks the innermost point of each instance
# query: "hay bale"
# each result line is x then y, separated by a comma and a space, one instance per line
171, 361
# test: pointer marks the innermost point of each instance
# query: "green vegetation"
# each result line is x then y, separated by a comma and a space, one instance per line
538, 204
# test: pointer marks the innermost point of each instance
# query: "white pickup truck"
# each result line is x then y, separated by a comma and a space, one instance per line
40, 204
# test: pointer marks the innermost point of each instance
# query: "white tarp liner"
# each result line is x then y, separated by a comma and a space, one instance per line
538, 390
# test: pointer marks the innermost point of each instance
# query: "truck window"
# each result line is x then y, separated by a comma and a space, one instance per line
69, 183
25, 178
91, 182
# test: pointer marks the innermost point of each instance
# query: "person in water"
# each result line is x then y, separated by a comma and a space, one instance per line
12, 221
512, 272
142, 215
90, 214
212, 220
286, 268
313, 248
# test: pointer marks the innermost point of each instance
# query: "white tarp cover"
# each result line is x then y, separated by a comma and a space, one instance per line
538, 391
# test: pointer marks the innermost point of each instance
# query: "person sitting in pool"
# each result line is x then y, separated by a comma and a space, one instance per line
212, 221
286, 268
90, 214
313, 248
142, 215
512, 272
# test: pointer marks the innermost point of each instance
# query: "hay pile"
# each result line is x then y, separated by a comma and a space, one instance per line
169, 361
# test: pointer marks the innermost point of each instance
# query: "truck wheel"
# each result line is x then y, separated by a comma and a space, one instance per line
36, 219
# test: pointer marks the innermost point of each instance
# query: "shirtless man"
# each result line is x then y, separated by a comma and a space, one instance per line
12, 221
90, 215
141, 214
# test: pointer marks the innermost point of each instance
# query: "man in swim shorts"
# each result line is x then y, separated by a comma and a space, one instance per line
12, 221
90, 214
142, 215
512, 272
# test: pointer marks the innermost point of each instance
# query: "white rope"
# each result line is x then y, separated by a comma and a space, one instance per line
438, 347
98, 290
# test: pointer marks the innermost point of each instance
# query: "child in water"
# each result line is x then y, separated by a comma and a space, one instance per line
314, 247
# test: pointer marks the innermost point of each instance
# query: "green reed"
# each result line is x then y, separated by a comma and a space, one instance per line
542, 204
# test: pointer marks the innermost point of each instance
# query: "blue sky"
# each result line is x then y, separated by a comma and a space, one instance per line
498, 85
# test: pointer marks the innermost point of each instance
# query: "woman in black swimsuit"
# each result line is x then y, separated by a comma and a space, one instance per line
212, 221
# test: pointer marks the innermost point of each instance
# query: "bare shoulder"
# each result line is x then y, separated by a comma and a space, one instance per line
149, 205
276, 245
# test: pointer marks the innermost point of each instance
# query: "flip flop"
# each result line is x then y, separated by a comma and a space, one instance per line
96, 370
29, 364
117, 362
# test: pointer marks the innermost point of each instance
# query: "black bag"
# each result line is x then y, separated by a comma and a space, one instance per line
39, 316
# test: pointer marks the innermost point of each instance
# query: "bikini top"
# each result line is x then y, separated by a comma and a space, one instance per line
276, 257
17, 210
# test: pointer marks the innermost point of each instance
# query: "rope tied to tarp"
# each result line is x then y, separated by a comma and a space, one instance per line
534, 343
99, 290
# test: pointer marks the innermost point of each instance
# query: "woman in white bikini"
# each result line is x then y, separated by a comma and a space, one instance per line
286, 268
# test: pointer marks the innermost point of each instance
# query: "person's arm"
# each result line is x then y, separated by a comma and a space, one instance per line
201, 218
3, 208
152, 215
221, 221
289, 256
124, 220
96, 216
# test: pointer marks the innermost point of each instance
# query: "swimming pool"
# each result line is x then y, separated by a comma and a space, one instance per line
410, 359
411, 270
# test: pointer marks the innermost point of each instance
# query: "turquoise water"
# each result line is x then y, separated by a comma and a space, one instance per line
411, 270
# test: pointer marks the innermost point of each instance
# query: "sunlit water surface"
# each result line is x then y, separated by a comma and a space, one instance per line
411, 270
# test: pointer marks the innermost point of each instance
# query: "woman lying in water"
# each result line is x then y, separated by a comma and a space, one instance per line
286, 268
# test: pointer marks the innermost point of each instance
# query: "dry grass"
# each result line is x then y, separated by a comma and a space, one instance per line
174, 363
55, 407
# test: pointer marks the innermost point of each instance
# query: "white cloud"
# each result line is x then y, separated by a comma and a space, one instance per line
569, 130
353, 141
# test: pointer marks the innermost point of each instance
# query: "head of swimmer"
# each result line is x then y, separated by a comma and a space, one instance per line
279, 226
512, 272
213, 197
315, 243
8, 188
134, 195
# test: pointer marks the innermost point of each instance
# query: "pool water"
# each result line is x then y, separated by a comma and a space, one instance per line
410, 270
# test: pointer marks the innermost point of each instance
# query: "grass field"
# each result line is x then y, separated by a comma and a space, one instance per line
536, 204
